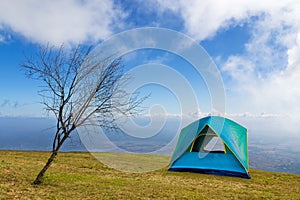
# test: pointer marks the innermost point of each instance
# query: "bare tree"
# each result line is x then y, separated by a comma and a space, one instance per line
79, 87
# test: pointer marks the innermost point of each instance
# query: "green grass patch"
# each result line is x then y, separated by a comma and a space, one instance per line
133, 162
81, 176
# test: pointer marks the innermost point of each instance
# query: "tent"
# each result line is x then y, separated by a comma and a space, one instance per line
213, 145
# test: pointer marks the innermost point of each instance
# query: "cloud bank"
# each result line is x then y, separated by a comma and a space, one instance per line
265, 77
267, 73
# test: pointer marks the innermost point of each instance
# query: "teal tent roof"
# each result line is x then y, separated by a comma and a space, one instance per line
233, 135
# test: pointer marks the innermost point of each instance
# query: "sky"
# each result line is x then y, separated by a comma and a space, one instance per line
254, 44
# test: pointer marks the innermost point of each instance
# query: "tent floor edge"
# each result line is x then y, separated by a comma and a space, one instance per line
210, 171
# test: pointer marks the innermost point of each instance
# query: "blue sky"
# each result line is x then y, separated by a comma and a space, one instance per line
255, 45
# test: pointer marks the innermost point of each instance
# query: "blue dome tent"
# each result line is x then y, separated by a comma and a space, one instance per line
213, 145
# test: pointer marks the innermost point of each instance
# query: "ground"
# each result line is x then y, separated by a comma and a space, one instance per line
81, 176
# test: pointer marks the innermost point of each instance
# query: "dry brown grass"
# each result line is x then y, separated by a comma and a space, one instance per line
81, 176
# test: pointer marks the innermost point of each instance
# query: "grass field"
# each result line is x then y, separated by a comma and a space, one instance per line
81, 176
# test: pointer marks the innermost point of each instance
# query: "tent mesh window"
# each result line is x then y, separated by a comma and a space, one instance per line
208, 141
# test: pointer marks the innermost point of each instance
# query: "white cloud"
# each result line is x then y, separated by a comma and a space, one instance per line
60, 21
265, 78
268, 75
2, 39
203, 19
269, 71
14, 108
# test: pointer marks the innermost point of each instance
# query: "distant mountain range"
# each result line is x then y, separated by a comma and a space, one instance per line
36, 134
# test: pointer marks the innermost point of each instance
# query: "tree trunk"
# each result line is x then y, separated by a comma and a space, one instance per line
39, 179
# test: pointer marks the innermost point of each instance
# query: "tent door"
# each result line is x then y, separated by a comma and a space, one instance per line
208, 141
